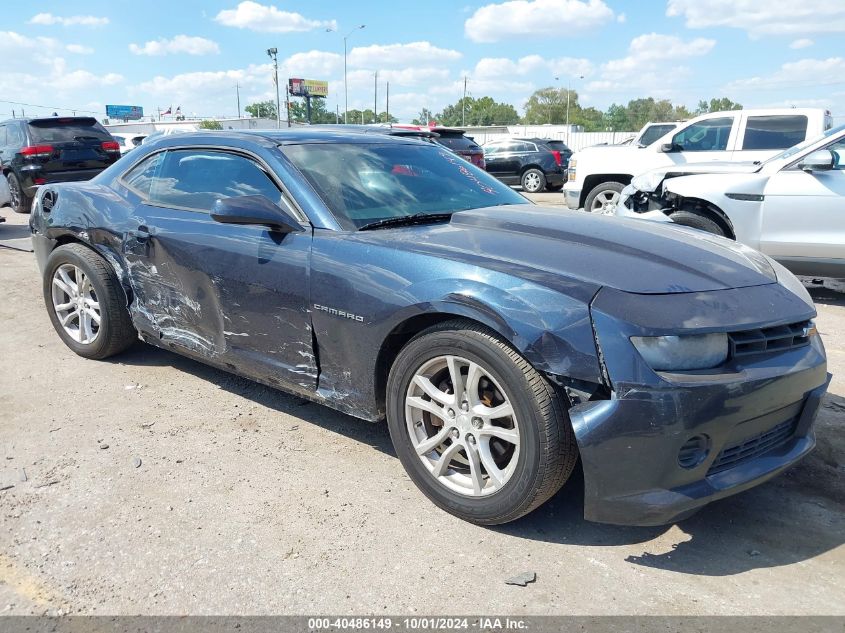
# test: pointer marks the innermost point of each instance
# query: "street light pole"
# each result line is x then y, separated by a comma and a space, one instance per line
273, 53
568, 91
345, 81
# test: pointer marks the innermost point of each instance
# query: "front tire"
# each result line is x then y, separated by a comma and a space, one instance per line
603, 198
697, 221
533, 181
19, 201
86, 303
495, 451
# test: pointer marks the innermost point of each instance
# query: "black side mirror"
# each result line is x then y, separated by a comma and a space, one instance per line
668, 148
254, 210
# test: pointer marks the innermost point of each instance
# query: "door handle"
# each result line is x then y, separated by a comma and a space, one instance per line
141, 234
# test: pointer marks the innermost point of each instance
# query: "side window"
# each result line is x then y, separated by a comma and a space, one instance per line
140, 177
14, 136
774, 132
705, 136
195, 179
523, 147
2, 136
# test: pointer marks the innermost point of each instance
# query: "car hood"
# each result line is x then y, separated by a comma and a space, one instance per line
567, 249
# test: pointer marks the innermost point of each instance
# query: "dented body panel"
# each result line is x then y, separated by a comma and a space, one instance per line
316, 312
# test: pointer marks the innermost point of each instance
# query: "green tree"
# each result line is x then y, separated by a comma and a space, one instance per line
425, 117
210, 124
721, 104
482, 111
616, 118
548, 105
262, 109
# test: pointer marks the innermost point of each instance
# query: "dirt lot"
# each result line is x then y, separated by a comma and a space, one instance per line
247, 500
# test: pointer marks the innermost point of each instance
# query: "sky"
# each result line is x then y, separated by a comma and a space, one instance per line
71, 56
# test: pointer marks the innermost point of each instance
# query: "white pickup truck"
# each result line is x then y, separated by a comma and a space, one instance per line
597, 175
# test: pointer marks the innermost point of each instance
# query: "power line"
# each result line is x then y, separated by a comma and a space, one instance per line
46, 107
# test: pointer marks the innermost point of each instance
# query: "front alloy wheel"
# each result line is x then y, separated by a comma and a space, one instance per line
478, 430
75, 303
462, 426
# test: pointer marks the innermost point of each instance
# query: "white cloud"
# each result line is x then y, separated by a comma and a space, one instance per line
79, 49
48, 19
535, 18
179, 44
805, 73
541, 69
399, 55
268, 18
801, 43
311, 65
773, 17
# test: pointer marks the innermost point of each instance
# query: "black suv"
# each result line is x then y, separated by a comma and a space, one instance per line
533, 163
36, 152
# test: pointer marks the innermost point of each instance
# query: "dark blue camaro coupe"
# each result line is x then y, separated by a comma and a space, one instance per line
387, 277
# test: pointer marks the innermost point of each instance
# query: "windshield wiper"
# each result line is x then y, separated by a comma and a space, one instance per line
406, 220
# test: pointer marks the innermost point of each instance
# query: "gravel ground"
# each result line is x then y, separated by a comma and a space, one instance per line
151, 484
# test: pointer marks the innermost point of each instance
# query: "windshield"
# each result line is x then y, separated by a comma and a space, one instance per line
797, 148
365, 183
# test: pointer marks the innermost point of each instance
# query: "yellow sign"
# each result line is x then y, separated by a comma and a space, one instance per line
308, 88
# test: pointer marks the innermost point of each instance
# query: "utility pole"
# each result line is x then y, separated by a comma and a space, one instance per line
387, 102
568, 91
345, 81
375, 99
274, 55
337, 114
464, 104
238, 93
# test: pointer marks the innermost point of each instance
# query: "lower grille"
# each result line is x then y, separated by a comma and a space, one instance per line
753, 447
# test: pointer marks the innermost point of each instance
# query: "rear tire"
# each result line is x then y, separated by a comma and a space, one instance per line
533, 448
698, 221
603, 198
79, 284
19, 201
533, 181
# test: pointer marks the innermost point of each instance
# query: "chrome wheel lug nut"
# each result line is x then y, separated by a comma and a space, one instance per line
455, 433
464, 406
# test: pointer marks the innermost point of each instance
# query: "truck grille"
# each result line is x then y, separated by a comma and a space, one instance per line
753, 447
770, 339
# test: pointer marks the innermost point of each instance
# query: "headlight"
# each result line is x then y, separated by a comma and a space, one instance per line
678, 353
648, 181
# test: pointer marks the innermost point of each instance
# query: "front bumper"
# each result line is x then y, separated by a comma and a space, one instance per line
747, 420
629, 447
572, 197
624, 210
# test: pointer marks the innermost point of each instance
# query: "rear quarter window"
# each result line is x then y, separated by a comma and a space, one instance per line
774, 132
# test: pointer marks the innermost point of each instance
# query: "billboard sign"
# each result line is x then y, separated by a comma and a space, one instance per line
308, 88
128, 112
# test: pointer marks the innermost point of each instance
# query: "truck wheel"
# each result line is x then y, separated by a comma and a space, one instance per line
478, 430
533, 180
698, 221
603, 198
19, 201
86, 303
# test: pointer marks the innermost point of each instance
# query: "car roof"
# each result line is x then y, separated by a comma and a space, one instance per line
289, 136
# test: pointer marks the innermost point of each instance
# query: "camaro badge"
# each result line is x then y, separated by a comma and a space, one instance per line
339, 313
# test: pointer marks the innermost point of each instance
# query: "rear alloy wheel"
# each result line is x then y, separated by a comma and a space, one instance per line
478, 430
533, 180
603, 198
19, 201
86, 303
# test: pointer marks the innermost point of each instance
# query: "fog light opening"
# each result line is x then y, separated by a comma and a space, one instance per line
694, 451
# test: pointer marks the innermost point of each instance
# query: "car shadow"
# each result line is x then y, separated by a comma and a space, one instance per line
374, 435
782, 522
828, 294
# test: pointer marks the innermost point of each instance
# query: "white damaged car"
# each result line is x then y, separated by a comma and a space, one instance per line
790, 207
